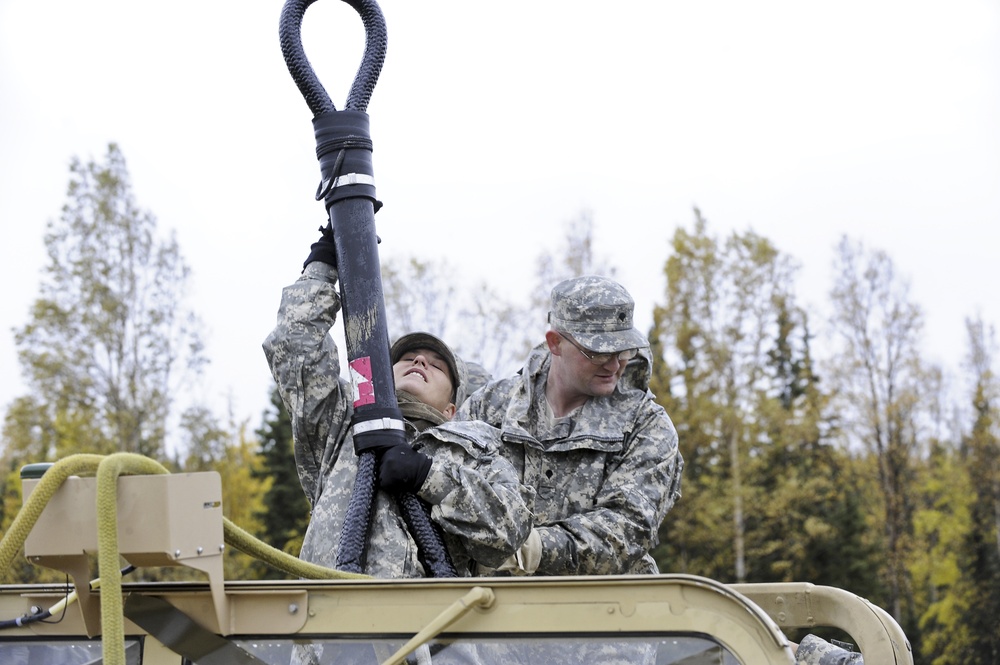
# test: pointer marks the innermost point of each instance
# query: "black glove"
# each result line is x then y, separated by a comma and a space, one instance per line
402, 469
324, 249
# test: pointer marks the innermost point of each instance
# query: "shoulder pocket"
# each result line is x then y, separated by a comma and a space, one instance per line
474, 436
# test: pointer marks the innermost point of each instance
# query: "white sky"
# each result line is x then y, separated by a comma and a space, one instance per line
496, 123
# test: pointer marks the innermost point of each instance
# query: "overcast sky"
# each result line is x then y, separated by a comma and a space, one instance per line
496, 123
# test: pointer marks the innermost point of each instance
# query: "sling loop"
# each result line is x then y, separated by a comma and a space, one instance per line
347, 186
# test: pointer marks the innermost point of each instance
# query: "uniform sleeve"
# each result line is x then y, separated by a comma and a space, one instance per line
474, 492
813, 650
305, 365
638, 489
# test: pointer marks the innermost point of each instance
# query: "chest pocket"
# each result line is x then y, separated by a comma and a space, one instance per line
566, 481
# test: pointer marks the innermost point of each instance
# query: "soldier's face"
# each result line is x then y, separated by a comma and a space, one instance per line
425, 375
580, 376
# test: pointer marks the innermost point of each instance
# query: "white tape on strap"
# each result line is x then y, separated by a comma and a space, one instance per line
378, 423
354, 179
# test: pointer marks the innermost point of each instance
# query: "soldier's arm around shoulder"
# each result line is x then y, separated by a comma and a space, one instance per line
636, 488
475, 493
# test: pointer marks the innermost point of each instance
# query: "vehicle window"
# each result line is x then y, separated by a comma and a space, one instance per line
64, 652
513, 650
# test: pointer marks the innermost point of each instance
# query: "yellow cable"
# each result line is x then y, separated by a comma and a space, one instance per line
13, 540
108, 469
112, 620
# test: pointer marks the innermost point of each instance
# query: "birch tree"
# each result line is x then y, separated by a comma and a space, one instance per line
109, 340
879, 376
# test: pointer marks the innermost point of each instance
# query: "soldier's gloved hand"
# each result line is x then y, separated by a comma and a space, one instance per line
402, 469
324, 249
527, 557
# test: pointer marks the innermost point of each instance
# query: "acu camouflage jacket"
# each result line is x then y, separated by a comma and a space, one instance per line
474, 493
603, 478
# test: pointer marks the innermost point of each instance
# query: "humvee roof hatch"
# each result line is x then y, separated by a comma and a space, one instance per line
176, 520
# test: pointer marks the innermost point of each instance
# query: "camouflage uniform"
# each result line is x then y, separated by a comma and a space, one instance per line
605, 476
474, 493
813, 650
478, 376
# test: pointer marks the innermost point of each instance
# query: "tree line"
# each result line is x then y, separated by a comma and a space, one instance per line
843, 462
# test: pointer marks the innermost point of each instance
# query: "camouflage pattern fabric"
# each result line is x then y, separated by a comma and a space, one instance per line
597, 311
603, 478
474, 492
478, 376
813, 650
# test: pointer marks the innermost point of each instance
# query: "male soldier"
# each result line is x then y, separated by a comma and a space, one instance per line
583, 431
475, 497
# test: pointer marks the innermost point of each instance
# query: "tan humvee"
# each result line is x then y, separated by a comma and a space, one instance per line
176, 520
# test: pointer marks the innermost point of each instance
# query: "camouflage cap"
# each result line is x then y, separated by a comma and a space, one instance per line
597, 312
456, 366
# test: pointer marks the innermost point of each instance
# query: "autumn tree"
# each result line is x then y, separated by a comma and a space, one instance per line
716, 326
475, 320
880, 378
735, 372
806, 521
419, 295
579, 257
979, 611
109, 340
940, 570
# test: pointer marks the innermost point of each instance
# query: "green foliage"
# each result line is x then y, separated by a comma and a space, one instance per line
943, 522
758, 501
805, 520
284, 511
108, 342
977, 611
206, 442
916, 534
243, 492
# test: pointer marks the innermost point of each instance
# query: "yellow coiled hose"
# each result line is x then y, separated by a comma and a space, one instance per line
107, 469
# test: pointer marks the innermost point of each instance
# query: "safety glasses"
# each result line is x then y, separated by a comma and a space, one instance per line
601, 358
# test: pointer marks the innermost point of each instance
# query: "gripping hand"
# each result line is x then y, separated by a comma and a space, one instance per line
324, 249
402, 469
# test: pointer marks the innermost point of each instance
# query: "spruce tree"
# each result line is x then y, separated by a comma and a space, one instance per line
981, 547
286, 510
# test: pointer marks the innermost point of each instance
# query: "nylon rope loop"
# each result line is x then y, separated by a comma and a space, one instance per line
432, 552
290, 34
347, 186
352, 555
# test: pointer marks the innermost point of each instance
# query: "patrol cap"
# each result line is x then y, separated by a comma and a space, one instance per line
423, 340
597, 313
